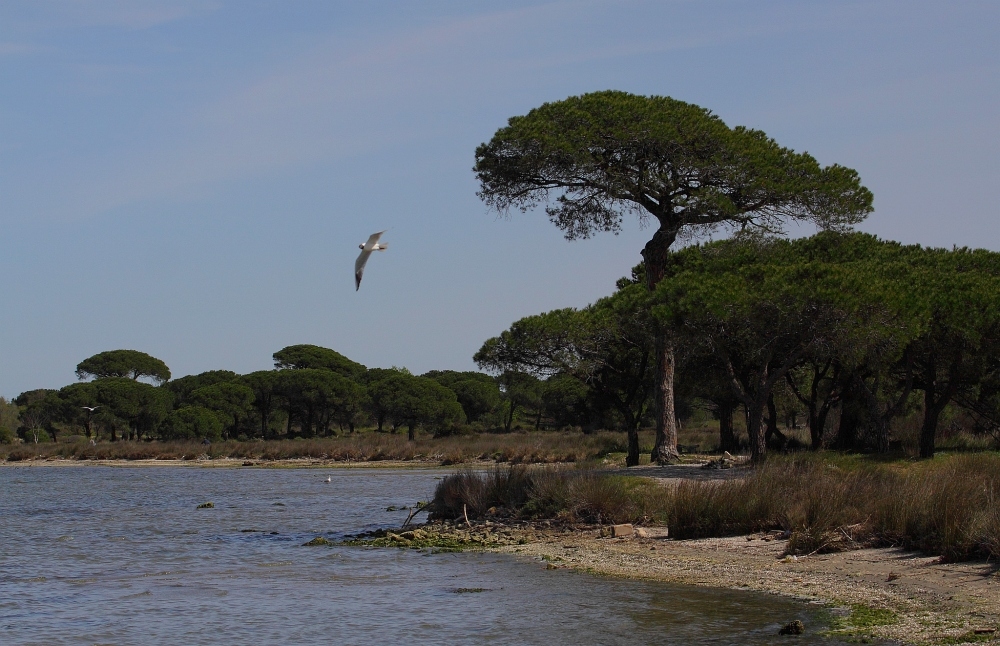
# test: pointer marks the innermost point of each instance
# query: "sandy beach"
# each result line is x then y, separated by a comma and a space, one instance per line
928, 601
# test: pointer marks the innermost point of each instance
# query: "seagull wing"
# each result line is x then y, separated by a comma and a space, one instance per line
373, 240
359, 265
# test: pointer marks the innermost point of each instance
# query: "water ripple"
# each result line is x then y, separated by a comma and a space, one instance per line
93, 555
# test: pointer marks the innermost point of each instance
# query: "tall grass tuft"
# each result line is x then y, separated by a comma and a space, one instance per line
573, 495
949, 507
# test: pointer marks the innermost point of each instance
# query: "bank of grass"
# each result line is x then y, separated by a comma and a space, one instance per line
526, 447
826, 502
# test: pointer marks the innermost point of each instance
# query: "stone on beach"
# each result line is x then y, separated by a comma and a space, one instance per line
621, 531
793, 628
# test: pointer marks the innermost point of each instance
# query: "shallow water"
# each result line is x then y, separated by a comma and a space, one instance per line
103, 555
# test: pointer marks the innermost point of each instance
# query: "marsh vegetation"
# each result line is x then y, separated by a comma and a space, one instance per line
820, 502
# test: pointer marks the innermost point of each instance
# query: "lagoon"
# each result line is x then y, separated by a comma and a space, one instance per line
122, 555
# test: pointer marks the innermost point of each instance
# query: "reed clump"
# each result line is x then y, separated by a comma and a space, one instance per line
571, 495
947, 507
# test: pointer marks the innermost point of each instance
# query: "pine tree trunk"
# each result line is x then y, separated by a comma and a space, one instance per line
727, 436
665, 445
509, 420
772, 424
928, 429
755, 431
817, 424
850, 418
632, 458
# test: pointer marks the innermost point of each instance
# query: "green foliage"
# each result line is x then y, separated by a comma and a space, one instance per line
9, 412
184, 386
564, 398
123, 363
232, 403
191, 423
29, 397
77, 400
478, 398
406, 400
608, 153
263, 384
318, 397
35, 435
607, 347
478, 393
596, 157
886, 317
136, 406
520, 390
296, 357
39, 410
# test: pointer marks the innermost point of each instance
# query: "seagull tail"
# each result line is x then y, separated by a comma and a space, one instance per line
383, 246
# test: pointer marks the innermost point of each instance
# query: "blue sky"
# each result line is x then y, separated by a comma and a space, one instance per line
192, 178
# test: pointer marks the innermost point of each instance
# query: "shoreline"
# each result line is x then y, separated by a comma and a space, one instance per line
223, 463
881, 593
888, 595
902, 596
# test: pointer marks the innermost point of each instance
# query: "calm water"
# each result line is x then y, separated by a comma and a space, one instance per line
101, 555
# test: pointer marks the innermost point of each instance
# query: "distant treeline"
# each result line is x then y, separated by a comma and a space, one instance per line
844, 332
312, 392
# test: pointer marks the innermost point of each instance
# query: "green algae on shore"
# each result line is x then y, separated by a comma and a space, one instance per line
443, 538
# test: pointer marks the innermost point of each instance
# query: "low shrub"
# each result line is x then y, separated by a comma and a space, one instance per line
20, 453
35, 435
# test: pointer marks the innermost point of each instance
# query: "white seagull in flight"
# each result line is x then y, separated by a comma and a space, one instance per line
366, 250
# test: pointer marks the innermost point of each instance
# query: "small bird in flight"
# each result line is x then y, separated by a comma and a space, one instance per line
90, 408
366, 250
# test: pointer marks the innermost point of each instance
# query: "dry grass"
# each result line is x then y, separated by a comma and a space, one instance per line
533, 447
573, 495
948, 507
530, 447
